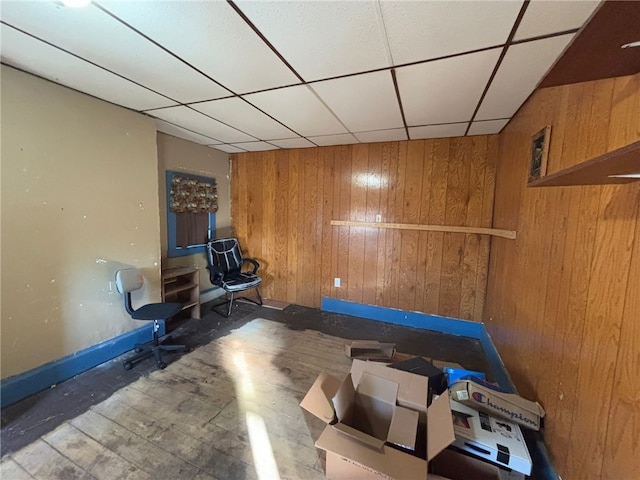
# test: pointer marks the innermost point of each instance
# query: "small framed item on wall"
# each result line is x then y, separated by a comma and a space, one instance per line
539, 153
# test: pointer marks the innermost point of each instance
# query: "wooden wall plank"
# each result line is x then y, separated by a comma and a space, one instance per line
622, 445
357, 212
292, 244
372, 211
285, 222
437, 208
561, 301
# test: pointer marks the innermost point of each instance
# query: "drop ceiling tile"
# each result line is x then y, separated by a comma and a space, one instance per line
544, 17
256, 146
362, 102
438, 131
299, 109
292, 143
200, 123
342, 139
445, 91
179, 132
487, 127
228, 148
237, 112
95, 36
523, 67
393, 135
322, 39
423, 30
212, 36
31, 55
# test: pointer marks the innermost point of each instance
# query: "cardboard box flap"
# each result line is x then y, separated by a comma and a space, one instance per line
412, 389
370, 350
318, 402
390, 462
439, 426
377, 387
404, 428
343, 400
359, 436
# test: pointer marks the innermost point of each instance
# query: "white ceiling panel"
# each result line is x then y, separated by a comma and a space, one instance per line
202, 124
487, 127
396, 134
228, 148
299, 109
292, 143
523, 67
34, 56
256, 146
322, 39
212, 36
180, 132
235, 111
423, 30
363, 102
95, 36
445, 91
438, 131
342, 139
543, 17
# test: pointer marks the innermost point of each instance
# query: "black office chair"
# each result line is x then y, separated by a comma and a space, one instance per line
225, 263
127, 281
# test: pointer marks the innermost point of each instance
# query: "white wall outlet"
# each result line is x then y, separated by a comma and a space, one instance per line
336, 282
378, 218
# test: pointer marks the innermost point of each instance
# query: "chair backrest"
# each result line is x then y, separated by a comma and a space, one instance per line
128, 280
225, 254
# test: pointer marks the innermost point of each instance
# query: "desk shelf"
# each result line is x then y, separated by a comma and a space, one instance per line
182, 285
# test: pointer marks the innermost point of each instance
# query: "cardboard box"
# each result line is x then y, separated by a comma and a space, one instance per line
487, 398
497, 440
456, 466
370, 350
375, 417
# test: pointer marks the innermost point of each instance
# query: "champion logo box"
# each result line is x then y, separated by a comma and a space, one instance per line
485, 397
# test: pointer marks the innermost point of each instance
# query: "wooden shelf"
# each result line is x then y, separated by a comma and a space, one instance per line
598, 170
182, 285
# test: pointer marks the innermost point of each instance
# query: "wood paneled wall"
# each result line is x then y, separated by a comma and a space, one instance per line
563, 300
283, 202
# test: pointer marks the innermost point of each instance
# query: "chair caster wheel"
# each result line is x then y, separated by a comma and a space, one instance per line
162, 365
127, 365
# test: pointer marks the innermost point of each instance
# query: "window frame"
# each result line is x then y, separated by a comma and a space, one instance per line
173, 250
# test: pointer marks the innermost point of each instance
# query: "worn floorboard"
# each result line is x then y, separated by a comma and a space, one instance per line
229, 409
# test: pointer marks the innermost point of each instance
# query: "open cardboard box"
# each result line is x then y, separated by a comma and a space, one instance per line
370, 350
375, 418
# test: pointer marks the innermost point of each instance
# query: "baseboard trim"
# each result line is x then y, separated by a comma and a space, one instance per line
451, 326
17, 387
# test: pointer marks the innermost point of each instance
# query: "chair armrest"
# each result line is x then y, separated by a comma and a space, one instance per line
255, 264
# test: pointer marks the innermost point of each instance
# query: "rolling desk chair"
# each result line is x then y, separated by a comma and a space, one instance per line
127, 281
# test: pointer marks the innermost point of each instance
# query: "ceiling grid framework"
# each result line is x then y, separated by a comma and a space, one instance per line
252, 76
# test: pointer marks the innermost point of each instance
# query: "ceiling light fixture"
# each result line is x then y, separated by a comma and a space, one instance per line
632, 44
76, 3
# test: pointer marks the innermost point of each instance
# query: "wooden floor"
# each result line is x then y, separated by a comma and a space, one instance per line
227, 410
